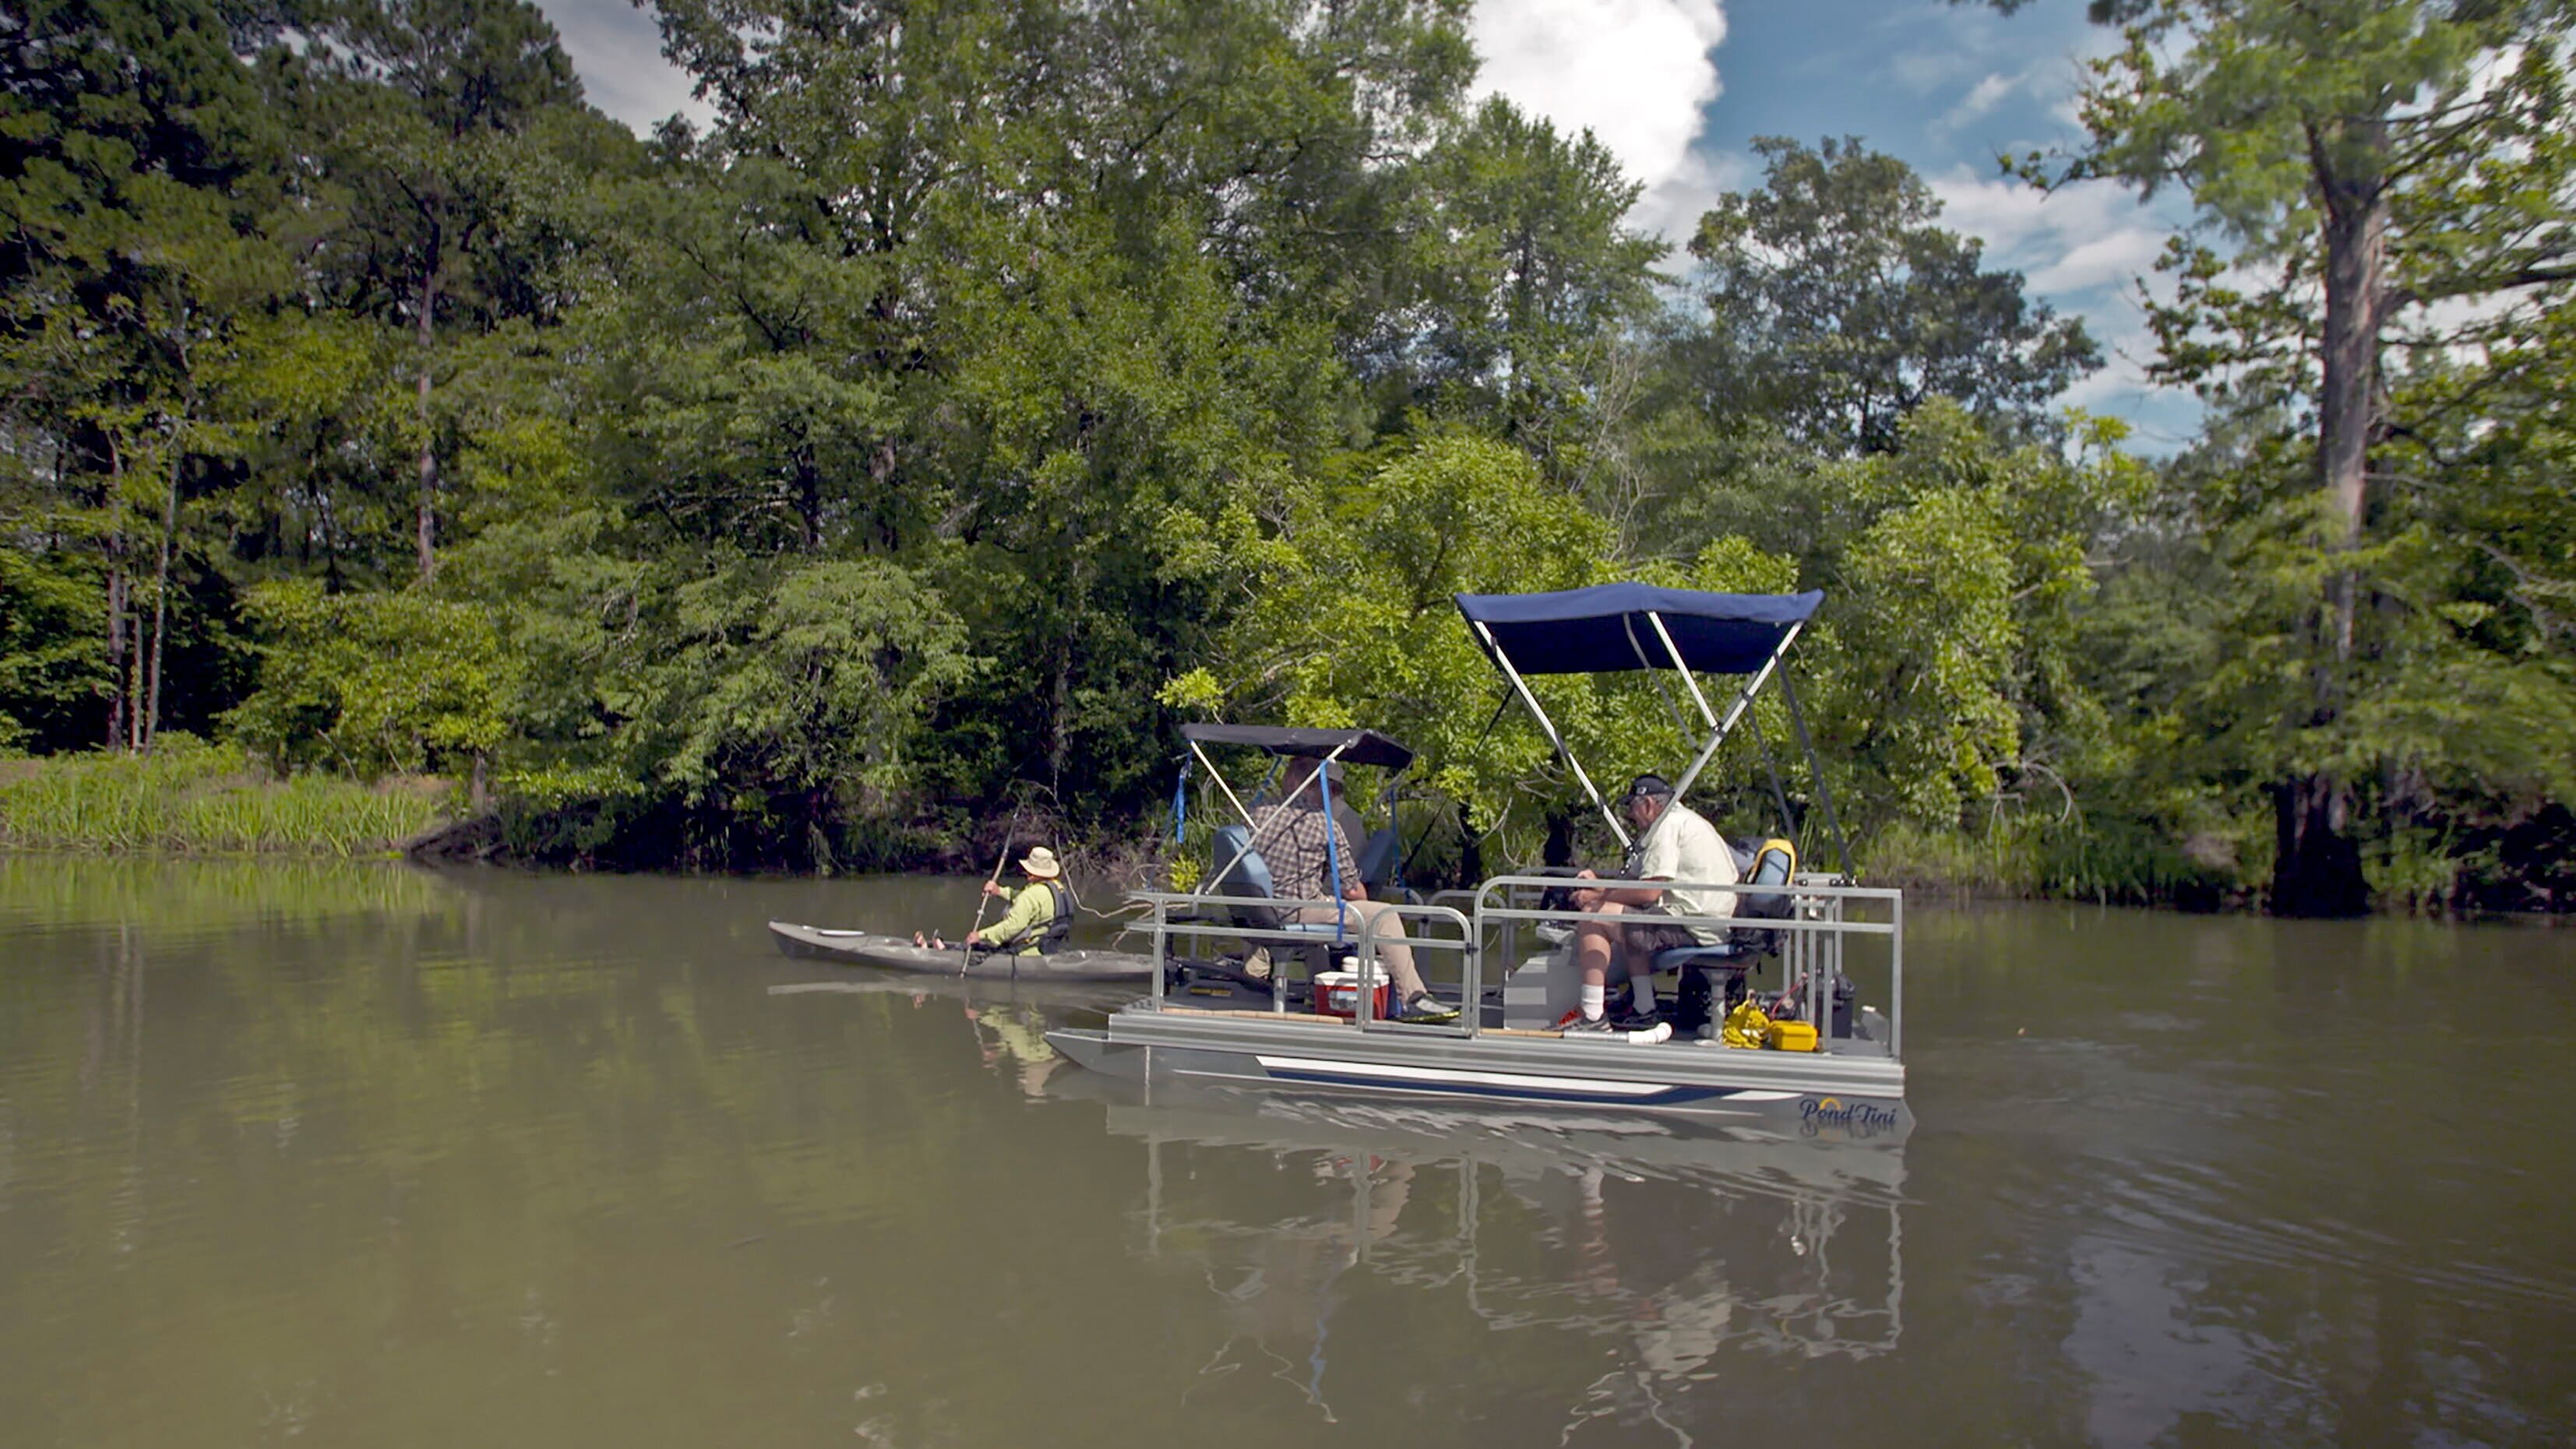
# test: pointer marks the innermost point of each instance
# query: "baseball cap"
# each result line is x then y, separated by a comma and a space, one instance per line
1648, 786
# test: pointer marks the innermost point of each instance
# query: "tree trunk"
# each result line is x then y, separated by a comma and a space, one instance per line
1559, 849
161, 598
116, 694
809, 500
881, 477
1471, 851
428, 440
2319, 867
120, 700
1059, 725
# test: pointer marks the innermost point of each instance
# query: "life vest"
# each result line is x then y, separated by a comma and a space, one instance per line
1774, 863
1061, 925
1053, 933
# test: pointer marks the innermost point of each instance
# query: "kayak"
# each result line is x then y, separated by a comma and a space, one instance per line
897, 953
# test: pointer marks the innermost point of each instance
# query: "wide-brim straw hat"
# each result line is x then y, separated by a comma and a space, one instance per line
1041, 863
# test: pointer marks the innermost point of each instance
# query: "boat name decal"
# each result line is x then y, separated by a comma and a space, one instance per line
1831, 1116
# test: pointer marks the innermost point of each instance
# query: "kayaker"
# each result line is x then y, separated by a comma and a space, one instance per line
1039, 918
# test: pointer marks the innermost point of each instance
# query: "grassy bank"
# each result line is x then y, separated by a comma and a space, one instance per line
2115, 866
195, 798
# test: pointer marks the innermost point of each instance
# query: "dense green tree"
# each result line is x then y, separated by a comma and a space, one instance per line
1534, 282
373, 683
428, 115
2368, 159
139, 166
984, 386
1836, 305
1070, 268
52, 668
1943, 669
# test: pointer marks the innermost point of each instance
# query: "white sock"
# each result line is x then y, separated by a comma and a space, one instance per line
1591, 1002
1644, 987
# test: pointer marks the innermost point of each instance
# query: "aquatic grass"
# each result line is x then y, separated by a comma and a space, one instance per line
2121, 864
194, 798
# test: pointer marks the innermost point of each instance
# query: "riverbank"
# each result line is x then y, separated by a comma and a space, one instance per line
193, 798
2105, 868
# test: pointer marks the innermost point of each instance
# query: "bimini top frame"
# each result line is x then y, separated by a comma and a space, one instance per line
1358, 747
1614, 628
1327, 747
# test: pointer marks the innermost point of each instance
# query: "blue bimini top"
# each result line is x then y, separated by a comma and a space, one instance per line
1604, 629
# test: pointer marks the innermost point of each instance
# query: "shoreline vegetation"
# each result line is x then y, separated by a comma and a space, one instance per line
894, 454
191, 799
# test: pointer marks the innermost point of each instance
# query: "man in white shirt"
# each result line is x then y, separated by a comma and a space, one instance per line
1673, 843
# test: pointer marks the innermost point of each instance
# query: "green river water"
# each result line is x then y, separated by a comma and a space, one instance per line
370, 1156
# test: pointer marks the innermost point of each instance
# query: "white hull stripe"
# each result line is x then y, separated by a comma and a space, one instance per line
1509, 1080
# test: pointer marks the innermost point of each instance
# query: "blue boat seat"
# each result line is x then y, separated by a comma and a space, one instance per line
1724, 956
1377, 860
1243, 878
1240, 870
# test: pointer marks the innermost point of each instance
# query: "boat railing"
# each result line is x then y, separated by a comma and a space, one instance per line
1812, 952
1509, 941
1470, 962
1360, 935
1822, 920
1217, 925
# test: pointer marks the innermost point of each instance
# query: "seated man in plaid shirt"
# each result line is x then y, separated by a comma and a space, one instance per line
1292, 836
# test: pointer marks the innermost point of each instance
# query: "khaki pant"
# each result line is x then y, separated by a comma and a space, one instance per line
1394, 955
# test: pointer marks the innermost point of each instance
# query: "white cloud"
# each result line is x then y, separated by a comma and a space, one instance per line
1671, 208
2112, 259
2085, 235
2051, 83
1925, 71
1981, 98
1639, 74
618, 51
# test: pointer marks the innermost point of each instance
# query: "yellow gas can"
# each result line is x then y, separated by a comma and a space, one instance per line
1793, 1036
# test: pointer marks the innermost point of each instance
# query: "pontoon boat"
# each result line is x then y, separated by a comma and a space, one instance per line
1799, 945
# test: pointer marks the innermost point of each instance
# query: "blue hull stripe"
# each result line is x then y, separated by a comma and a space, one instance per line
1667, 1097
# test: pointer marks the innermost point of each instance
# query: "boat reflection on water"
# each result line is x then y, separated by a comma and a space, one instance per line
1679, 1242
1009, 1022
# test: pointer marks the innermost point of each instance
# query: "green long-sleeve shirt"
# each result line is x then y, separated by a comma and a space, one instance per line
1032, 911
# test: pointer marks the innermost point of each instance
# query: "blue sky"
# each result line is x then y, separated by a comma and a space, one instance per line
1678, 89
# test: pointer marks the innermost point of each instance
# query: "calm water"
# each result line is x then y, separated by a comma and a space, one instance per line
367, 1156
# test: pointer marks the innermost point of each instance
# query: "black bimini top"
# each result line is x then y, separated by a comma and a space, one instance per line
1358, 747
1604, 629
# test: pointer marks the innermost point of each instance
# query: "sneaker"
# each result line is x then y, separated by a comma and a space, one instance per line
1621, 1020
1644, 1032
1257, 965
1427, 1008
